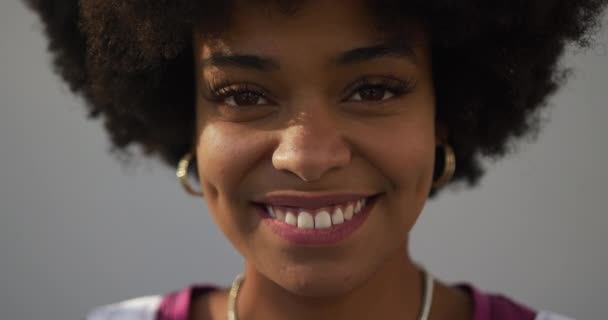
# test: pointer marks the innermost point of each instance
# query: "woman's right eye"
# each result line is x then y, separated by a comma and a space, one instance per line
239, 96
244, 98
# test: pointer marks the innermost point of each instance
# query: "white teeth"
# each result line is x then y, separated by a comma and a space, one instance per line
280, 215
348, 213
305, 220
337, 217
322, 220
358, 206
291, 219
271, 211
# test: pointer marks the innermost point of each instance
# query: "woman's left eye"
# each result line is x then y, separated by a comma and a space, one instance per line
372, 93
378, 90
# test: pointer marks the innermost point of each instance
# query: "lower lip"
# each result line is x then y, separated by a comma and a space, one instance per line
327, 236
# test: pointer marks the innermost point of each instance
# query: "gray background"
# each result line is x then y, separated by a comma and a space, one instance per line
78, 230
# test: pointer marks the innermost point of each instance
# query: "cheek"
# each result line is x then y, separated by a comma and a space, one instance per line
404, 156
225, 158
412, 164
413, 171
225, 155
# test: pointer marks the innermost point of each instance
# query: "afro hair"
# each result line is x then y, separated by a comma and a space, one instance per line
495, 64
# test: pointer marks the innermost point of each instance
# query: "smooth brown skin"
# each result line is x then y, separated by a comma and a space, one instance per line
316, 134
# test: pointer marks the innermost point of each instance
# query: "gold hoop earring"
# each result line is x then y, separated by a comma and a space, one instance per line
182, 175
449, 167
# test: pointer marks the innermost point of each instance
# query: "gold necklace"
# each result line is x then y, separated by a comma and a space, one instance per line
424, 314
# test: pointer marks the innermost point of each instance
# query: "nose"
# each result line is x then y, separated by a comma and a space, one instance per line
311, 146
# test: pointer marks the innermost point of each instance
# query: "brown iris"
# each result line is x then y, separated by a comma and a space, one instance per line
246, 98
372, 93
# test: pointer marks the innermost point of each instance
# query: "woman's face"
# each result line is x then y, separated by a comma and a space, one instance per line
318, 103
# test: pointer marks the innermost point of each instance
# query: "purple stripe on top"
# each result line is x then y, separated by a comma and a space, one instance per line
495, 306
177, 305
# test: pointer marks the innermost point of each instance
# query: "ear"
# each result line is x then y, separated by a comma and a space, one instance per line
441, 133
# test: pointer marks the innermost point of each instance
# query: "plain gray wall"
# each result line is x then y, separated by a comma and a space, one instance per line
78, 230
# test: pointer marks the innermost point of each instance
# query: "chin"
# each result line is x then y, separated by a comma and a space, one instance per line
313, 282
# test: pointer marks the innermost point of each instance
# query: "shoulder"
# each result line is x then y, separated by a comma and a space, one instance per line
545, 315
493, 306
505, 308
174, 305
142, 308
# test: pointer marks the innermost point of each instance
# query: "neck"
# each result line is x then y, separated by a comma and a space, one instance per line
393, 292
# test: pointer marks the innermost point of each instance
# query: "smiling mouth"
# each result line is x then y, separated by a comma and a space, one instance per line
320, 218
324, 226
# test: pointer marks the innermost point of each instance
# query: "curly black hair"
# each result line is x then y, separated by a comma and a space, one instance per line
495, 63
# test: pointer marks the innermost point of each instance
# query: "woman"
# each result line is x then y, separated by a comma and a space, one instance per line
319, 130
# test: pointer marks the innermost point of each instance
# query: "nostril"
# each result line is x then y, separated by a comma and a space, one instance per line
310, 156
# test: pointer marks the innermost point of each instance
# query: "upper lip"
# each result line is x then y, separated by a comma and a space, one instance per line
309, 200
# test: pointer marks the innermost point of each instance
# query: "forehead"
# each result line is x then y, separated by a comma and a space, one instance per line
318, 25
309, 17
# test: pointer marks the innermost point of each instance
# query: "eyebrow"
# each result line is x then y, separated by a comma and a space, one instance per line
359, 55
350, 57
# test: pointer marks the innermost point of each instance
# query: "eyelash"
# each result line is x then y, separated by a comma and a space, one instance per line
222, 90
391, 84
